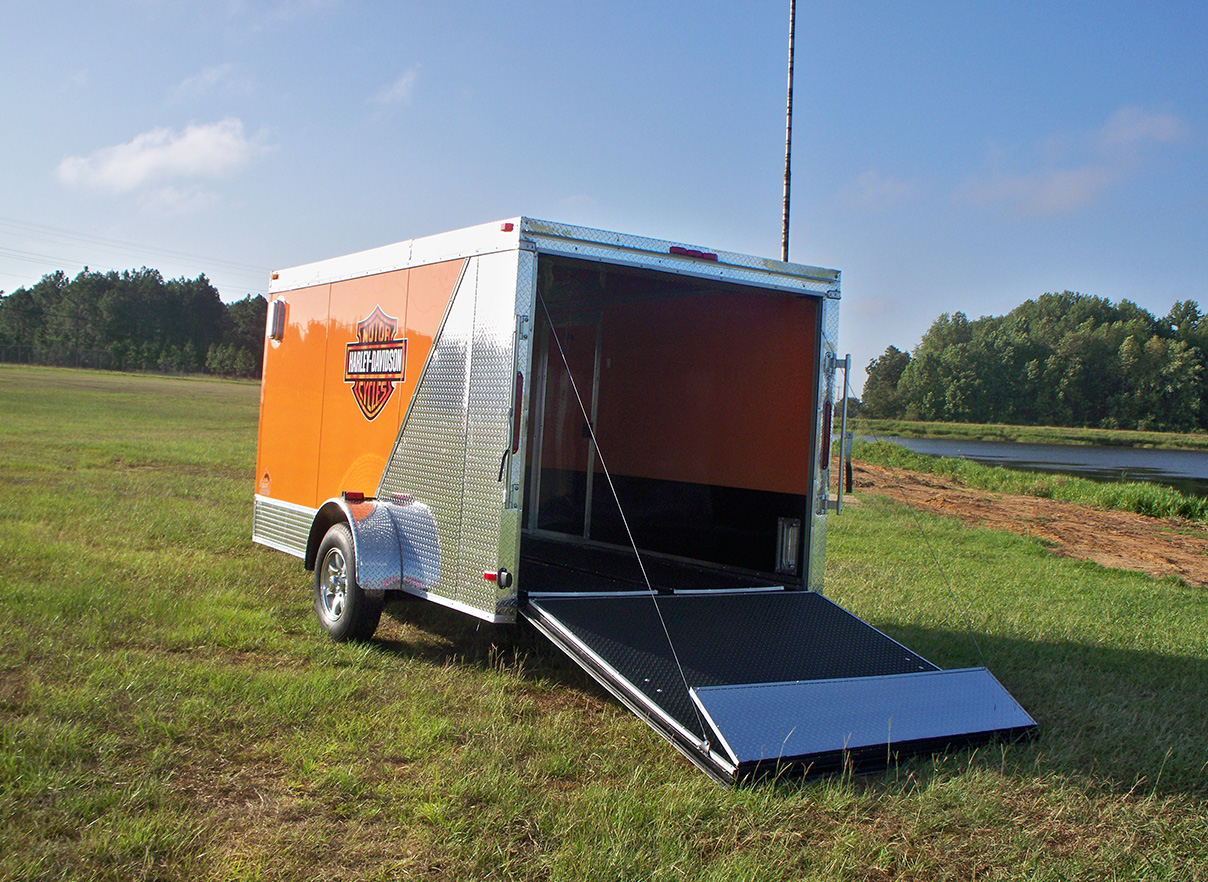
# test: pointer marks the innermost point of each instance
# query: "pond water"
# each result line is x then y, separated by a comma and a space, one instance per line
1185, 470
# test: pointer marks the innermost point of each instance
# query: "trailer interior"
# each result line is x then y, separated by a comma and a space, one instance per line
692, 403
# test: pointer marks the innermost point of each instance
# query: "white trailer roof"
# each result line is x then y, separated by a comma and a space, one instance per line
547, 237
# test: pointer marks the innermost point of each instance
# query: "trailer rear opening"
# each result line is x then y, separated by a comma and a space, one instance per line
623, 440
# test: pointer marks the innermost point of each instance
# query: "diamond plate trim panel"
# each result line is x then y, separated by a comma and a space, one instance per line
454, 444
428, 460
488, 432
281, 525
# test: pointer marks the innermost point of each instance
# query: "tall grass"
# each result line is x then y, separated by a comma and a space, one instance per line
1153, 500
169, 710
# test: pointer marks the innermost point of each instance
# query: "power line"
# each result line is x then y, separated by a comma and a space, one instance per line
225, 274
41, 232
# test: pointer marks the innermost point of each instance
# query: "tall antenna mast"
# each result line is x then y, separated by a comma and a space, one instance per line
788, 138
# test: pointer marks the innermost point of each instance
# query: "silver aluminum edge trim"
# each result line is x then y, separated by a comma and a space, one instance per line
713, 724
758, 589
685, 266
549, 231
820, 492
494, 618
277, 546
281, 503
638, 696
538, 595
522, 364
635, 701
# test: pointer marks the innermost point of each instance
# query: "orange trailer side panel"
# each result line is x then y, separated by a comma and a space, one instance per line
337, 387
361, 417
291, 405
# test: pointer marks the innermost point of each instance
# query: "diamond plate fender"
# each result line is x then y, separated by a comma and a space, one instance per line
385, 536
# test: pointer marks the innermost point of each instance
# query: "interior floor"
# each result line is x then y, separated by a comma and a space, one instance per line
565, 565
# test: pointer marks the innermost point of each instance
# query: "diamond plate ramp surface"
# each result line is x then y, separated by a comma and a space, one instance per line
737, 641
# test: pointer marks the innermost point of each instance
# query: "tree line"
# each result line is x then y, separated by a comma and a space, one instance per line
1063, 359
133, 320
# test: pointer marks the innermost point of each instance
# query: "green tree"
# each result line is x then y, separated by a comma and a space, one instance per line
881, 396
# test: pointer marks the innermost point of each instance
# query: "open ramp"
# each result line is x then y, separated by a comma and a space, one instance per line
773, 680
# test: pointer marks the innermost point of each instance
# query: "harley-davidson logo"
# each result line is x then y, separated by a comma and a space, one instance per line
376, 362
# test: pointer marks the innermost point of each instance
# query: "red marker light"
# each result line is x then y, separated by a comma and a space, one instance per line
516, 403
491, 577
692, 252
507, 227
354, 496
824, 443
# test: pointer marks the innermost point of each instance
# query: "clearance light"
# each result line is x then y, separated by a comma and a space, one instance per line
507, 227
353, 496
692, 252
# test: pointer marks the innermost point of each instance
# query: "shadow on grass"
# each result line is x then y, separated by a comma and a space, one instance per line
1115, 718
1130, 720
452, 637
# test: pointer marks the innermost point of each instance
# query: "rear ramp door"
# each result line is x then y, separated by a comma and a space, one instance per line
772, 679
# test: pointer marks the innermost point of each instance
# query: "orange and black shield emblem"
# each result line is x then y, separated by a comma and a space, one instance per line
376, 362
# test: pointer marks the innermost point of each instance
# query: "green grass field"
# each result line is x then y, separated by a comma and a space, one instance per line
169, 709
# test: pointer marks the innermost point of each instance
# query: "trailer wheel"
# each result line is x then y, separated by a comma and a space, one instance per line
345, 611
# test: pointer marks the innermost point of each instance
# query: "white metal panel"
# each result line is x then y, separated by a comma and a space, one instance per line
469, 242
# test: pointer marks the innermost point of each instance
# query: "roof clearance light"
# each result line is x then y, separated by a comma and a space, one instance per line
507, 227
692, 252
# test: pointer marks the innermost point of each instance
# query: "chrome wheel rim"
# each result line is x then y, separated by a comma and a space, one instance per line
334, 584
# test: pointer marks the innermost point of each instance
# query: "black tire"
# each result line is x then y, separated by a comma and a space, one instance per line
345, 611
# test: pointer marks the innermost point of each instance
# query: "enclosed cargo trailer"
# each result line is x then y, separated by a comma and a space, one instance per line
625, 441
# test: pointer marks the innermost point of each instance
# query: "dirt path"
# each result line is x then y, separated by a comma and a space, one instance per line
1156, 547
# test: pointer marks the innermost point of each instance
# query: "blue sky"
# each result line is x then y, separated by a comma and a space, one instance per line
947, 156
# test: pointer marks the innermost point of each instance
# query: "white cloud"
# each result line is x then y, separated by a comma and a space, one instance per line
398, 92
219, 76
1130, 128
875, 191
162, 156
1077, 170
